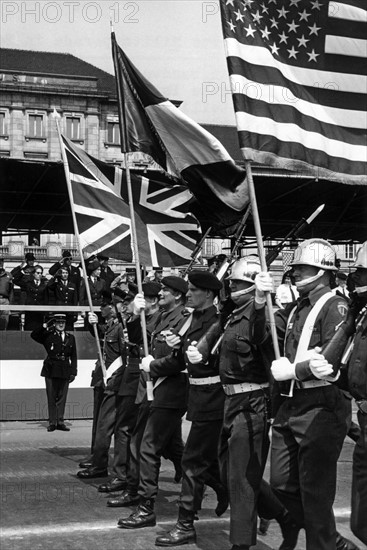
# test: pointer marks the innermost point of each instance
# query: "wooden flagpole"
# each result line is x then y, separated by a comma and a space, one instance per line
77, 236
260, 246
134, 240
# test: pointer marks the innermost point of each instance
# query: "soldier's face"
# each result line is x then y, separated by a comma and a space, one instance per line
166, 298
196, 297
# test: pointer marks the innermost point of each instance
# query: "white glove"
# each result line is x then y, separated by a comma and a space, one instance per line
320, 368
193, 354
145, 363
282, 369
138, 303
92, 318
173, 340
263, 283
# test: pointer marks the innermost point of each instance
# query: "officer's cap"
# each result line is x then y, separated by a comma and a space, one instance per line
66, 254
205, 280
176, 283
92, 266
30, 256
59, 317
102, 257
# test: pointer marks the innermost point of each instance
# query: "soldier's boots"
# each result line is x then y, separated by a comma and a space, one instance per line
182, 533
290, 531
126, 498
344, 544
143, 516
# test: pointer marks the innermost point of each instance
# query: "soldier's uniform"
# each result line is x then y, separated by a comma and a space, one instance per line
65, 293
59, 365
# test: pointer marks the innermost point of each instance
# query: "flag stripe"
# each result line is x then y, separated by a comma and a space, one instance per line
278, 95
346, 46
328, 95
340, 10
299, 75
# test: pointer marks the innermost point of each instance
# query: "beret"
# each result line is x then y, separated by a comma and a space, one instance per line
92, 266
106, 297
205, 280
151, 289
176, 283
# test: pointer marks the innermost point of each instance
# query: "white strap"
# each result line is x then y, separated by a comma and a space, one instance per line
307, 330
116, 364
159, 381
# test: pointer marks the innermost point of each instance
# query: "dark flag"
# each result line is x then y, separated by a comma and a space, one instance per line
298, 78
178, 144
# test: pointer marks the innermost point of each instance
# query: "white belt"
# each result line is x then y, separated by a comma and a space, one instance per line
204, 381
311, 384
244, 387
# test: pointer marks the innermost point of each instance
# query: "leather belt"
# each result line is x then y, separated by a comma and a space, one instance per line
311, 384
204, 381
244, 387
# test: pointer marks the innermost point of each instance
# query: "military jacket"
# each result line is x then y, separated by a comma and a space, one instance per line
96, 289
65, 294
357, 365
61, 360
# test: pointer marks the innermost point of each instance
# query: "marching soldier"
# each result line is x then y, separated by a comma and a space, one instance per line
310, 424
205, 410
59, 367
159, 422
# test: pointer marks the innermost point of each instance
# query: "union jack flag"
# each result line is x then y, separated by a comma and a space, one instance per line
167, 233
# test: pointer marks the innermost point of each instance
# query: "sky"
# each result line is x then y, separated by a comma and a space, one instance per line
176, 44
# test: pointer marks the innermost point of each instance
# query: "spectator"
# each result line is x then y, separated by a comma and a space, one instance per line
59, 367
74, 272
65, 294
286, 292
36, 294
106, 272
341, 285
6, 294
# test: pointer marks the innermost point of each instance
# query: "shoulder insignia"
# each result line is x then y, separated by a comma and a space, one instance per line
342, 308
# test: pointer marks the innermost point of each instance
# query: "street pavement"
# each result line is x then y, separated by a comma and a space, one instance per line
46, 507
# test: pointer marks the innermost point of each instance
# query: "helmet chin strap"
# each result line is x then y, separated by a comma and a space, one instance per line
305, 282
239, 293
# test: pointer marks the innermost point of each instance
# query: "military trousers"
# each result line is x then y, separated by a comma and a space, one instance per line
104, 431
243, 450
160, 430
307, 438
199, 462
126, 417
358, 521
57, 392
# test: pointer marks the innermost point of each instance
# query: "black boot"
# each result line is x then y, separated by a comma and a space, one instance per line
182, 533
143, 516
344, 544
127, 498
290, 531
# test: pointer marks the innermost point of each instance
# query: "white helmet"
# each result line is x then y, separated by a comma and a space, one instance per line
245, 269
316, 252
361, 258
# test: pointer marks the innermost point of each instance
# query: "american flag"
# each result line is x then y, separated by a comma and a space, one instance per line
167, 233
298, 79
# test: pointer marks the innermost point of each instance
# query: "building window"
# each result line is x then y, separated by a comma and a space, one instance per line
2, 125
35, 126
350, 251
73, 127
113, 133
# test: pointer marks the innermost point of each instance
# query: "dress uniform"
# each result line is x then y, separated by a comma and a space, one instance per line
65, 293
357, 384
36, 294
158, 429
309, 426
74, 272
205, 410
59, 368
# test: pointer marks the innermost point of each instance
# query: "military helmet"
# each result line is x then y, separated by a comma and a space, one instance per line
316, 252
245, 269
361, 257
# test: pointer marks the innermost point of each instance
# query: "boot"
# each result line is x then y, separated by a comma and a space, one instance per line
182, 533
143, 516
344, 544
290, 531
125, 499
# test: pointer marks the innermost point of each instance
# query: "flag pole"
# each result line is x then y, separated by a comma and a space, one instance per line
260, 246
134, 240
77, 236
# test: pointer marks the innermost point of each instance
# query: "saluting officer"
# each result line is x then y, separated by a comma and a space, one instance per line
65, 294
205, 410
59, 367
